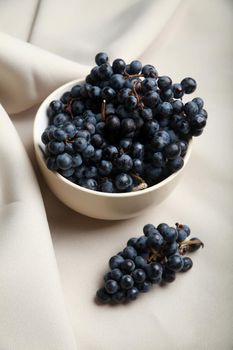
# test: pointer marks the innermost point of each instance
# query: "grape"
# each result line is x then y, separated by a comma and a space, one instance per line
128, 266
132, 293
189, 85
111, 286
144, 262
118, 66
126, 128
164, 82
187, 264
129, 253
139, 275
123, 182
103, 296
172, 151
64, 161
126, 282
175, 262
101, 58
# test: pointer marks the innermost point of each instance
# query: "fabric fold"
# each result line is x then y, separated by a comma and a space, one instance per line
31, 305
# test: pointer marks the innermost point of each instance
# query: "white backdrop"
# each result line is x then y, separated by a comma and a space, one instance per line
46, 303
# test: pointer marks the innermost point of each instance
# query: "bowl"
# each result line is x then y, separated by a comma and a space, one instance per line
99, 205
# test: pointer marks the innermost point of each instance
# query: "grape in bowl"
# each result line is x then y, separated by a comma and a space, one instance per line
106, 147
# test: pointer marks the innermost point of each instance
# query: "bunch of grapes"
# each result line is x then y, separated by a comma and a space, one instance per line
153, 258
124, 129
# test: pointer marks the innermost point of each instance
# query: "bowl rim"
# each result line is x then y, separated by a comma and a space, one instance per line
39, 154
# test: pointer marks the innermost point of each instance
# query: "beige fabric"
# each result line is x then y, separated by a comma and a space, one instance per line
195, 312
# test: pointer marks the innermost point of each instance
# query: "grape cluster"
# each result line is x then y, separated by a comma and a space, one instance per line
153, 258
124, 129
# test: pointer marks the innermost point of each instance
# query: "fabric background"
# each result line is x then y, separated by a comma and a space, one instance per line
47, 287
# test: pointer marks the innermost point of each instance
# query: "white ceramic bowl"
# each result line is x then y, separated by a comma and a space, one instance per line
95, 204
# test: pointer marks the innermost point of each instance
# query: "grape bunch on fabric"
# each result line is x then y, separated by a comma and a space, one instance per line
124, 129
153, 258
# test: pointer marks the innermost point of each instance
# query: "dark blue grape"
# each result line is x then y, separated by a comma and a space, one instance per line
67, 173
149, 71
118, 297
111, 286
175, 164
126, 282
138, 166
127, 266
151, 99
177, 106
64, 161
144, 287
124, 162
147, 114
56, 147
123, 182
170, 248
160, 139
155, 241
168, 276
172, 150
154, 270
105, 167
141, 244
76, 160
66, 97
101, 58
80, 144
189, 85
132, 293
165, 109
75, 91
97, 140
118, 66
140, 262
131, 102
60, 119
177, 90
56, 106
175, 262
105, 71
148, 84
135, 67
115, 274
117, 81
77, 107
103, 296
187, 264
198, 121
107, 186
158, 160
91, 172
90, 184
116, 261
182, 235
51, 163
88, 152
108, 93
139, 275
131, 242
129, 253
169, 234
164, 82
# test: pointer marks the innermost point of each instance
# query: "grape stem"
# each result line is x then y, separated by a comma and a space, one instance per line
138, 97
142, 184
183, 246
68, 107
129, 76
103, 110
